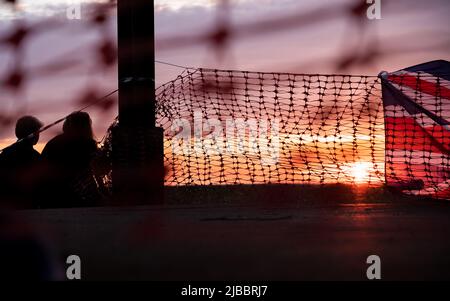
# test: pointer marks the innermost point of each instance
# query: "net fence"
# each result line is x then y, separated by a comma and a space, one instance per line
241, 127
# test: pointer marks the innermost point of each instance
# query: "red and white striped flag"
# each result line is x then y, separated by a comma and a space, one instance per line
417, 114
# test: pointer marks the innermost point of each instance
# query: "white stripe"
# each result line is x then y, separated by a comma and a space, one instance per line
422, 119
418, 157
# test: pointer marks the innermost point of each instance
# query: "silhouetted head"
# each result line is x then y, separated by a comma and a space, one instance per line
26, 126
78, 124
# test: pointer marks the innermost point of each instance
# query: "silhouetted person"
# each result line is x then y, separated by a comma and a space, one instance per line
68, 156
19, 165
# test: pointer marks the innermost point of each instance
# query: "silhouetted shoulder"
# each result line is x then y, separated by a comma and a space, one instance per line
52, 146
18, 155
69, 151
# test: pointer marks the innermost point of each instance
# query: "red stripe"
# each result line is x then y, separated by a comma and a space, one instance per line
404, 133
418, 84
443, 194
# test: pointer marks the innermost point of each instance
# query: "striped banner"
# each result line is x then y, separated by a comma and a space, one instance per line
417, 113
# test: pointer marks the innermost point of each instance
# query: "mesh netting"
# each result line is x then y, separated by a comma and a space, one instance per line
239, 127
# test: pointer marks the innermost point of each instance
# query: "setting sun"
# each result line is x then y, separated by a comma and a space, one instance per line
360, 171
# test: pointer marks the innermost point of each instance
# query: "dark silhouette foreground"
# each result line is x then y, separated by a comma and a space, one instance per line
19, 165
69, 180
60, 177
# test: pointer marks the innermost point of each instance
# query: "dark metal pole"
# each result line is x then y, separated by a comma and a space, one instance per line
137, 142
136, 62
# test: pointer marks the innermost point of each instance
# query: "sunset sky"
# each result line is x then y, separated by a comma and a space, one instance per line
409, 33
